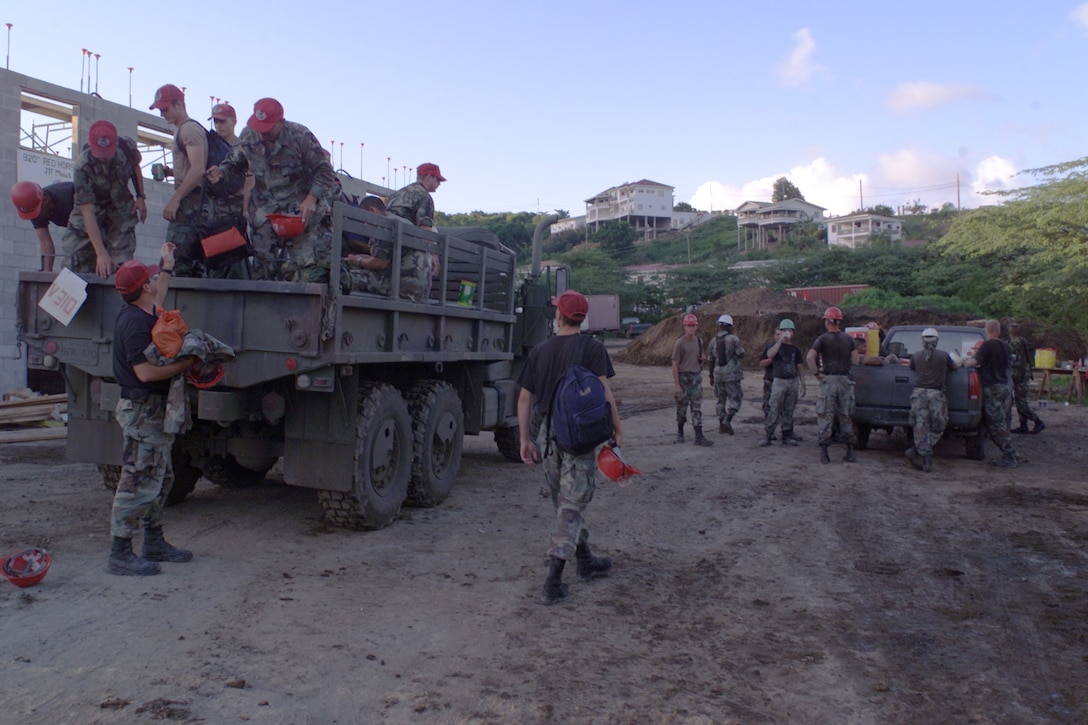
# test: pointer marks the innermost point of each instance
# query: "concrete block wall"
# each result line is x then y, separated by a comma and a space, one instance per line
18, 242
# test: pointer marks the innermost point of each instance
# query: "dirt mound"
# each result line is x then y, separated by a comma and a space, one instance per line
756, 313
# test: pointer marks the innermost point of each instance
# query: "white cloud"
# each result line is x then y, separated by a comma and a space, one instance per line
922, 94
798, 67
994, 173
819, 181
1079, 14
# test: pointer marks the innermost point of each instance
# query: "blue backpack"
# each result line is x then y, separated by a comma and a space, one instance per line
581, 416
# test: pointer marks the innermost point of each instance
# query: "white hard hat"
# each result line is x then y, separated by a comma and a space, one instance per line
725, 320
930, 332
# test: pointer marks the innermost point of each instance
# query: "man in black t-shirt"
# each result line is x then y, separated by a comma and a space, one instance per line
40, 207
928, 403
571, 478
992, 359
835, 352
146, 470
787, 366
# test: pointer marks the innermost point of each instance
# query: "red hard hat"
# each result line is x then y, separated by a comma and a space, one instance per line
832, 313
690, 319
27, 198
613, 466
27, 567
287, 226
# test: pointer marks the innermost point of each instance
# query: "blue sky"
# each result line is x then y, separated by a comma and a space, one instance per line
531, 107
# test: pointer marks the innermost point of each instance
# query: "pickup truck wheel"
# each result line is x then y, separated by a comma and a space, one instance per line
861, 432
185, 477
438, 436
976, 446
383, 463
508, 441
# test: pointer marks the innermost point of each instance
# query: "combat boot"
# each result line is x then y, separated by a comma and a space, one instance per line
701, 440
1006, 461
727, 424
824, 457
679, 432
914, 458
722, 426
927, 464
850, 457
589, 566
792, 436
123, 562
1040, 426
765, 440
1022, 429
555, 590
156, 548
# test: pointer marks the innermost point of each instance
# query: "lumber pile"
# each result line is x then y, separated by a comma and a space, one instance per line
26, 416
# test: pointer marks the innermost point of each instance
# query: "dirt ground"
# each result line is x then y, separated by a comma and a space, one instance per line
751, 585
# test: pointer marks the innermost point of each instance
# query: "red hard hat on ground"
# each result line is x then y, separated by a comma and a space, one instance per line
832, 313
613, 466
27, 198
27, 567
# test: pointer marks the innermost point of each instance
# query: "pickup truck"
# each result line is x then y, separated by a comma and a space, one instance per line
632, 327
882, 392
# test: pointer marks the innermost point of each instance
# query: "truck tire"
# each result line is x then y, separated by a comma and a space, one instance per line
861, 433
383, 463
508, 441
438, 436
227, 472
976, 446
185, 477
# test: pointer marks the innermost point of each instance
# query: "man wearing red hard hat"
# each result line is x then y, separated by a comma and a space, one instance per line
101, 230
146, 469
292, 176
829, 360
687, 366
40, 207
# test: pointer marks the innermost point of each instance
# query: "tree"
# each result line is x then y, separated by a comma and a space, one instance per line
784, 189
683, 206
615, 237
914, 207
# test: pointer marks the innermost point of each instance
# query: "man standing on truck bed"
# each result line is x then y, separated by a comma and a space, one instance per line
101, 231
928, 402
414, 203
687, 376
570, 477
836, 353
1022, 366
146, 469
40, 207
291, 175
725, 373
992, 360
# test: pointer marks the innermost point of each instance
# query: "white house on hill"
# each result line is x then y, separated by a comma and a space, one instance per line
763, 222
856, 230
646, 205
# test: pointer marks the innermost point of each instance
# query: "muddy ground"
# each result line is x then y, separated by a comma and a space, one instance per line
751, 585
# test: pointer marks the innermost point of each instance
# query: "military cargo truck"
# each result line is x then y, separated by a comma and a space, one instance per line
364, 398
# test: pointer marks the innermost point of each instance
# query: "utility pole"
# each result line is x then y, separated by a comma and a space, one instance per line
861, 196
130, 86
957, 192
96, 74
8, 66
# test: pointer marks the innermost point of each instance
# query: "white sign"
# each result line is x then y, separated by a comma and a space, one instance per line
44, 169
65, 296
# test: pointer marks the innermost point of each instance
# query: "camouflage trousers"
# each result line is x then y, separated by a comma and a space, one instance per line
184, 232
147, 474
729, 397
767, 396
995, 406
781, 405
572, 482
1020, 397
690, 395
118, 234
303, 259
928, 418
835, 402
415, 278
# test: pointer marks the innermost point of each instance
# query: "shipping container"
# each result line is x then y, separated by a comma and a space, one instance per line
832, 295
604, 314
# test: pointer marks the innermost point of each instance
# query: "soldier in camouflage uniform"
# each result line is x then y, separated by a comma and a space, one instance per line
146, 470
723, 360
687, 364
292, 175
414, 203
570, 478
992, 359
101, 231
1022, 370
928, 402
836, 352
786, 363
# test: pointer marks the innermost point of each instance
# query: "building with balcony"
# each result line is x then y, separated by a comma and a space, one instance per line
646, 205
856, 230
760, 223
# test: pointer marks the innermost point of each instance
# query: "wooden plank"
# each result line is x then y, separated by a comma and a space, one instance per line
38, 400
27, 435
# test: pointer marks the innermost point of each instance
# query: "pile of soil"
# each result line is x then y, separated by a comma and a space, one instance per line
757, 312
